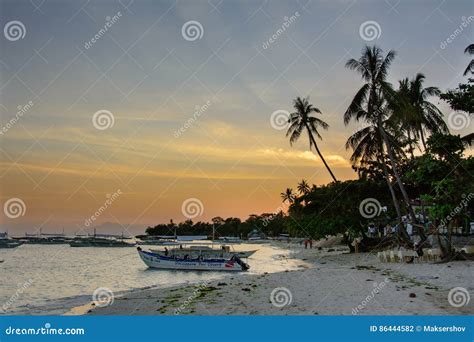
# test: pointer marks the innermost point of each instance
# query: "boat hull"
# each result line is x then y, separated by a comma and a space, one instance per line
216, 254
10, 243
108, 244
155, 260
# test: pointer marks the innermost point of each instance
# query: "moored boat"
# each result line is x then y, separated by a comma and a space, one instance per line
164, 260
256, 236
44, 240
155, 240
213, 250
9, 243
99, 242
6, 242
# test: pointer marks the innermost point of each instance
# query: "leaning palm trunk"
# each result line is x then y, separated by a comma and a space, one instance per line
400, 184
320, 154
445, 245
422, 135
411, 145
402, 230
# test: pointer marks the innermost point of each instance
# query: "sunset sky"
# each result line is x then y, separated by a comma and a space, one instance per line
152, 80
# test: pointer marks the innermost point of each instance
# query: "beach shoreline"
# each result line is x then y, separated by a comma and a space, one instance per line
329, 281
86, 271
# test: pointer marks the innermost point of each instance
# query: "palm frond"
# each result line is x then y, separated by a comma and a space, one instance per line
470, 49
470, 68
356, 104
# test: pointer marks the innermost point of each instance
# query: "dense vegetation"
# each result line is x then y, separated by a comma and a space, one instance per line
270, 224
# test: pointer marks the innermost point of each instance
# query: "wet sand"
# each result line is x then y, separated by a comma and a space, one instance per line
329, 282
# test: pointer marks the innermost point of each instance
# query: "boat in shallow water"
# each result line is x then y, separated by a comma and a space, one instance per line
99, 242
41, 240
6, 242
209, 251
164, 260
9, 243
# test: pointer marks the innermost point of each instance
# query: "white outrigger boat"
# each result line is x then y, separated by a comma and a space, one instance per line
205, 250
192, 259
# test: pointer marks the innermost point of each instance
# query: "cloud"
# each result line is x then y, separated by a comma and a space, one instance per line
303, 156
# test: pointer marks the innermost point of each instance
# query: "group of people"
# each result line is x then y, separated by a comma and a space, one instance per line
374, 231
387, 230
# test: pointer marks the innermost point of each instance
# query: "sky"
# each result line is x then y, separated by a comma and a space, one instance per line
143, 111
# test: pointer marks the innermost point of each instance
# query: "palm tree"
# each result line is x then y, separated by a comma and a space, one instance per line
470, 67
288, 196
405, 121
370, 104
303, 187
367, 145
416, 114
302, 120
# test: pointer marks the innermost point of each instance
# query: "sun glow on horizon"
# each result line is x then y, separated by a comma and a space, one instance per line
163, 117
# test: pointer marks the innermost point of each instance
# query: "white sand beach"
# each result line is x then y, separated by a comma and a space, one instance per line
330, 283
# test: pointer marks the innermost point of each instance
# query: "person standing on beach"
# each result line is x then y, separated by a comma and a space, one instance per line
372, 230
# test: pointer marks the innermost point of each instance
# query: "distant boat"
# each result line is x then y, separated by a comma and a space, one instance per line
94, 241
233, 239
257, 237
155, 240
283, 237
44, 240
191, 237
257, 240
9, 244
100, 240
6, 242
41, 238
167, 260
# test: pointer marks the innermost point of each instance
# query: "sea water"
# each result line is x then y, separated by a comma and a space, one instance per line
51, 279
